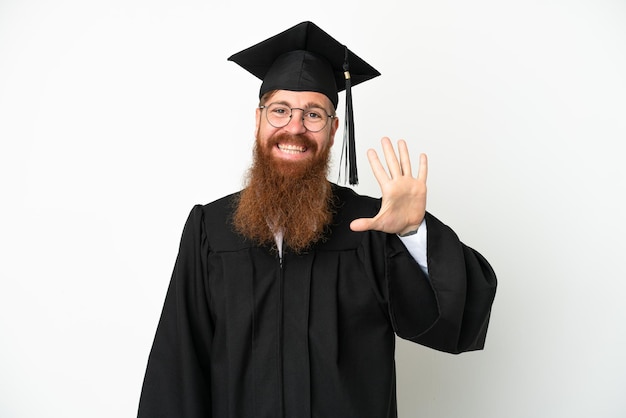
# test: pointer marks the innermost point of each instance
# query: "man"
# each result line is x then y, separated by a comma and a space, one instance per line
286, 297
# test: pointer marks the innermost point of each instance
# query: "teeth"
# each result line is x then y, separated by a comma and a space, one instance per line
292, 149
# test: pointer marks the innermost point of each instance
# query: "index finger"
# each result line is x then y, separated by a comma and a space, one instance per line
377, 167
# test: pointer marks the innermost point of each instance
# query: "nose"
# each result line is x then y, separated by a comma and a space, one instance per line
296, 122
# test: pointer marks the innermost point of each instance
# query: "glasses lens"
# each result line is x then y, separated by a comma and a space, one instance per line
313, 118
278, 115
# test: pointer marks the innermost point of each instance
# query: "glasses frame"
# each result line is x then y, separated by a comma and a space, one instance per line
291, 109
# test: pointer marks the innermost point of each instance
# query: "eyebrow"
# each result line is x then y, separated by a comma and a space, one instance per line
306, 106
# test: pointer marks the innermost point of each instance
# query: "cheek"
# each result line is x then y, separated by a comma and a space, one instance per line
325, 143
263, 134
262, 142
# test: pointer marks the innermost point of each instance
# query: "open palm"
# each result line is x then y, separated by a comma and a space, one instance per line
403, 196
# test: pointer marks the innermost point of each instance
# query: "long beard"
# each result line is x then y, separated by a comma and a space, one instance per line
294, 198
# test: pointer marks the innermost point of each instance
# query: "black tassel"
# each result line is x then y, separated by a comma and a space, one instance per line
349, 146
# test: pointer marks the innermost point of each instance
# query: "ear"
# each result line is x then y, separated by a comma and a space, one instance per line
333, 130
258, 121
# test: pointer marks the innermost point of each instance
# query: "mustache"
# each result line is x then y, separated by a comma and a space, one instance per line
298, 139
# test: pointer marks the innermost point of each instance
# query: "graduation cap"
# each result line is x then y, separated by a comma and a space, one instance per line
305, 58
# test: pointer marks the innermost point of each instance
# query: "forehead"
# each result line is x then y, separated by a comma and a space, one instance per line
301, 98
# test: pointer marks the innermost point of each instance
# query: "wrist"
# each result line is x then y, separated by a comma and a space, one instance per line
411, 230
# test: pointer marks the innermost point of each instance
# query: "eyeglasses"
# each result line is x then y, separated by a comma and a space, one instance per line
279, 115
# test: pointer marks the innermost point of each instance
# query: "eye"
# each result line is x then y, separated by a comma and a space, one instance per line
279, 110
314, 114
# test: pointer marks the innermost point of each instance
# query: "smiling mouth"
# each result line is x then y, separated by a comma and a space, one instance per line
292, 149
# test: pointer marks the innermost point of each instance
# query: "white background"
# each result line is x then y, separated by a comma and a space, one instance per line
117, 116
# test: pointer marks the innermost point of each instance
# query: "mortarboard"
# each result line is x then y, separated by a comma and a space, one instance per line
305, 58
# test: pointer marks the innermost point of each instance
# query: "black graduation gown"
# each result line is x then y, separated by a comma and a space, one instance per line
243, 335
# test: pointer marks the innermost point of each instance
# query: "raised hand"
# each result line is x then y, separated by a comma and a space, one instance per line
403, 196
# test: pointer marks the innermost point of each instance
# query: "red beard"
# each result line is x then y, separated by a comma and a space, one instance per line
290, 196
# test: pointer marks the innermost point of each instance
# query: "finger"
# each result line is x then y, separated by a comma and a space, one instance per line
361, 224
390, 157
405, 159
423, 168
377, 167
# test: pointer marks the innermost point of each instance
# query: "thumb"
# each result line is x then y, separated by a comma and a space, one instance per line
361, 224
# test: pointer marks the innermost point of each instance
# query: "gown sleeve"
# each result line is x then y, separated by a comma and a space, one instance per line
450, 309
177, 381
